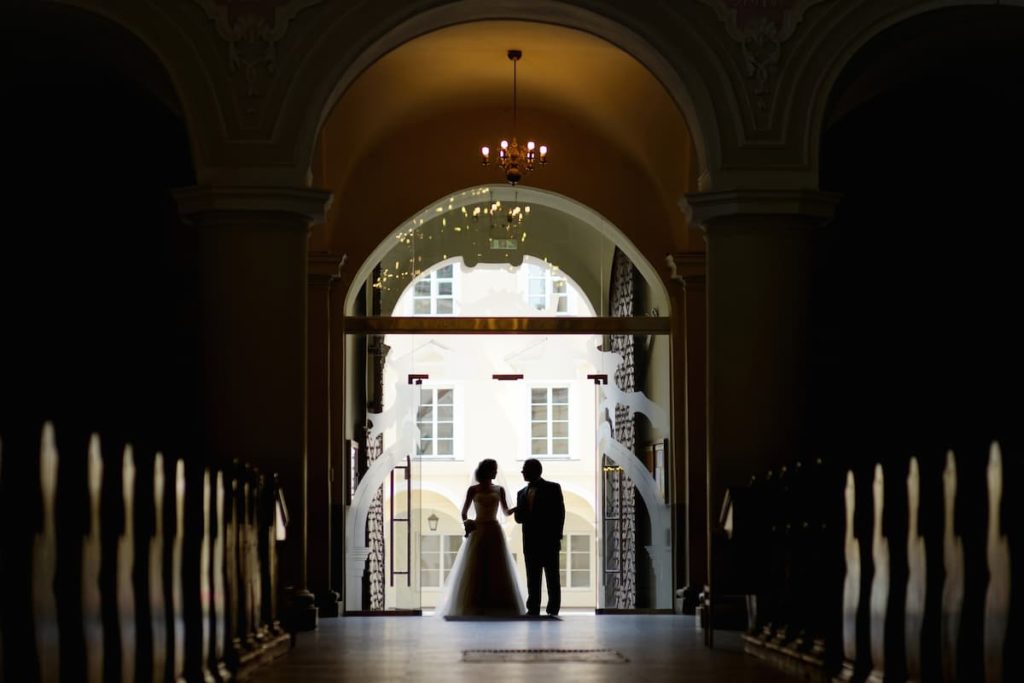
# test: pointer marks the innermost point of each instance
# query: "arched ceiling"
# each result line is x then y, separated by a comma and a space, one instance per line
934, 46
562, 70
451, 90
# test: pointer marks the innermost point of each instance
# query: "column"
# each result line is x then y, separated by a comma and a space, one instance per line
252, 251
691, 473
759, 261
323, 271
339, 443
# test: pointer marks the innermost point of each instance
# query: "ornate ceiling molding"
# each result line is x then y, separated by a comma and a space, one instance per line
760, 29
252, 29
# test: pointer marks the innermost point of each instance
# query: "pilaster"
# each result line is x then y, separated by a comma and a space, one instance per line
323, 272
688, 270
252, 244
759, 253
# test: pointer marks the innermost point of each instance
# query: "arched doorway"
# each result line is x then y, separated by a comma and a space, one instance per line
628, 157
432, 405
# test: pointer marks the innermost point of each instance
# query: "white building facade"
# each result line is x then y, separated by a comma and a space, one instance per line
503, 397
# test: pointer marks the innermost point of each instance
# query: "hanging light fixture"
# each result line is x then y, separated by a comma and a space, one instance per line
514, 159
505, 221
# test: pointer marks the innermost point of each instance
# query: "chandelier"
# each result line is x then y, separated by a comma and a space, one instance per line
514, 159
509, 216
504, 222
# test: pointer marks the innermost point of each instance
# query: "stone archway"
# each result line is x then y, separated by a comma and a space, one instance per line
633, 205
620, 402
678, 73
530, 195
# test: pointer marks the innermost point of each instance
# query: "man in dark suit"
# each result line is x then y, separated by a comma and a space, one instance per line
541, 510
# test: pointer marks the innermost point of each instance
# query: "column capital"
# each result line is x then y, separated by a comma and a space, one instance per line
305, 203
705, 209
687, 268
325, 267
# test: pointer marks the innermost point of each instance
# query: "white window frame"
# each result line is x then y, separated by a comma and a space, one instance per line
440, 554
540, 271
435, 282
549, 421
565, 561
456, 422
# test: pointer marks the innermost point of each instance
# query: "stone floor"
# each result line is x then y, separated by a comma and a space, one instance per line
658, 647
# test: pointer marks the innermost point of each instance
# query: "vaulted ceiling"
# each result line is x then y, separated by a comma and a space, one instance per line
409, 130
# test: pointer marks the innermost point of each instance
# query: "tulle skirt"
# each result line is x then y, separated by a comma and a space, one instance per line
483, 579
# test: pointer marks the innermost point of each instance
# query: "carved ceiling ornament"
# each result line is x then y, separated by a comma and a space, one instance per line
761, 27
252, 29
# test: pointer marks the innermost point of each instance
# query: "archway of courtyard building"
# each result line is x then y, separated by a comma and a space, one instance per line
929, 341
436, 513
409, 288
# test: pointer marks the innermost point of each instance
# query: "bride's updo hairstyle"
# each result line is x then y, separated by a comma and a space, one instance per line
486, 470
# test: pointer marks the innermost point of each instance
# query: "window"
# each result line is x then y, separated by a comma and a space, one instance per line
434, 292
546, 290
435, 418
437, 555
549, 421
574, 561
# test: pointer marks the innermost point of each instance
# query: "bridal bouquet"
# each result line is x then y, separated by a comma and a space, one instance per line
470, 525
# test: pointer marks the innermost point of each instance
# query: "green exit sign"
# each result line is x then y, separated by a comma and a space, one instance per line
507, 245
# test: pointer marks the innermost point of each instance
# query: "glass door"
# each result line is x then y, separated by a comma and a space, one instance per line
529, 396
423, 415
435, 406
573, 371
382, 522
632, 473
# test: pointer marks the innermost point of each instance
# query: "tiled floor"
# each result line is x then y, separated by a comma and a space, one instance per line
659, 648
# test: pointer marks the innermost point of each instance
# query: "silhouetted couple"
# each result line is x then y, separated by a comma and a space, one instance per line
482, 581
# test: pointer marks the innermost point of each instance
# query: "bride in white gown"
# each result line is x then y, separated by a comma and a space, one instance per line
482, 581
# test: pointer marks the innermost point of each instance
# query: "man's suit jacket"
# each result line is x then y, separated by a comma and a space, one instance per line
542, 525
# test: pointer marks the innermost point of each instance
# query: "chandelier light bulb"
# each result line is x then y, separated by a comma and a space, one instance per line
514, 159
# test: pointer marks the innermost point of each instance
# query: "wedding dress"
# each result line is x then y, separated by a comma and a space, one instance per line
483, 580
